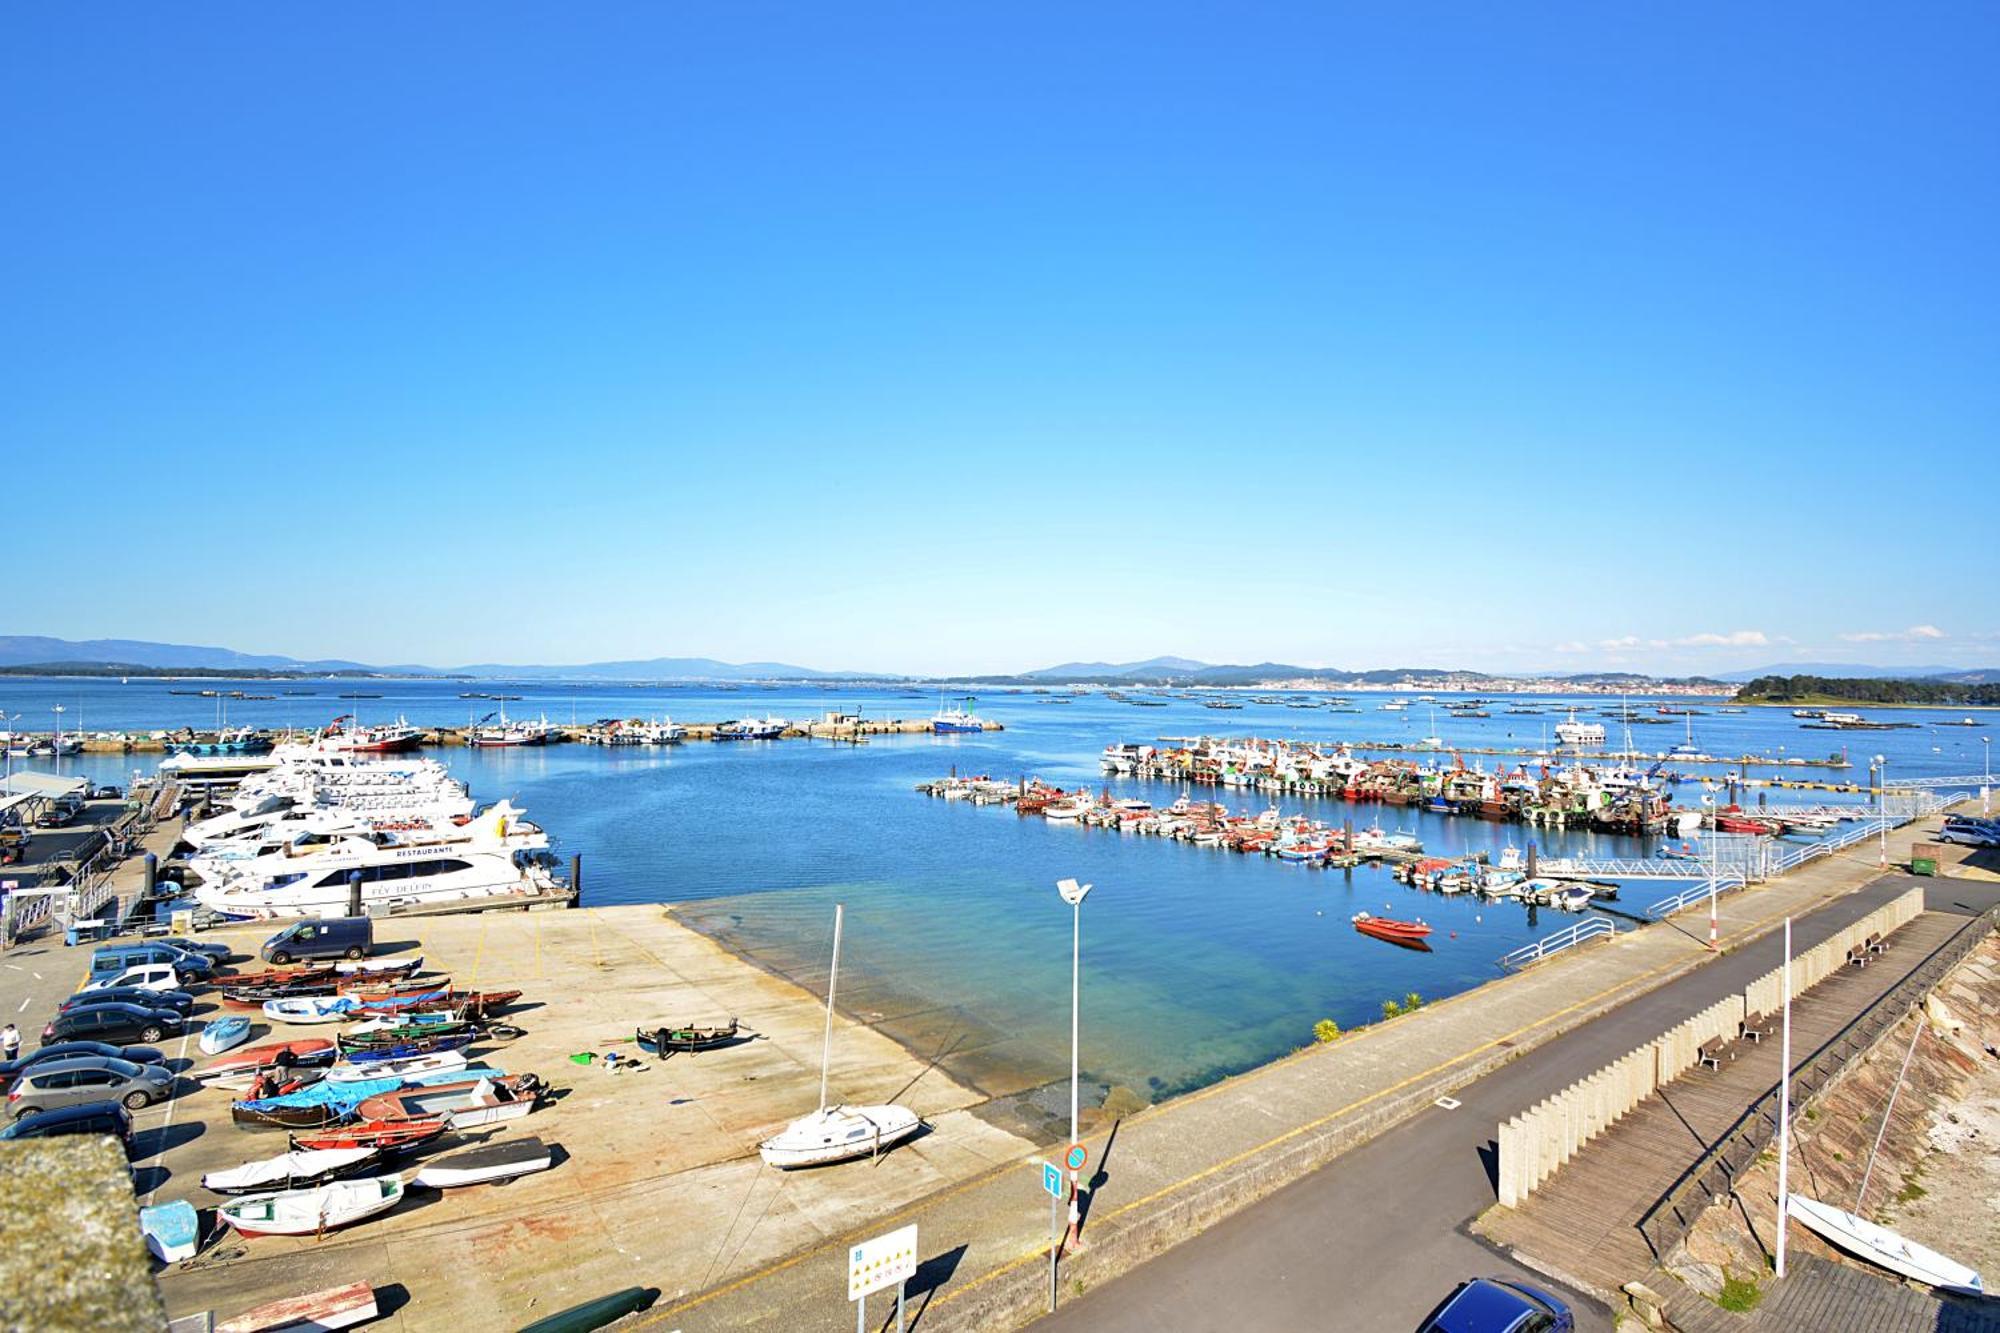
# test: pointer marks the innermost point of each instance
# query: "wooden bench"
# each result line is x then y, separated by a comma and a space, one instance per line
1874, 944
1755, 1027
1711, 1054
1858, 956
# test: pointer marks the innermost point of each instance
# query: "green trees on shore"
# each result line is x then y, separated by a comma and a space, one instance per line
1787, 689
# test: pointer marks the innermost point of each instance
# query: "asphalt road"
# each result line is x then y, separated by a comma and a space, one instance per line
1374, 1240
47, 845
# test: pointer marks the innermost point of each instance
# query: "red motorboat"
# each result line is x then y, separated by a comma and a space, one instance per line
1396, 932
384, 1134
1727, 821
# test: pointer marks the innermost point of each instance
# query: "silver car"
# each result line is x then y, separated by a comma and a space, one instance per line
87, 1078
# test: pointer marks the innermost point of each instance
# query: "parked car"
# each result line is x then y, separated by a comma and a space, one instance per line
216, 952
1498, 1305
145, 976
177, 1000
107, 792
138, 1055
111, 959
89, 1118
59, 812
1969, 833
321, 937
114, 1023
88, 1078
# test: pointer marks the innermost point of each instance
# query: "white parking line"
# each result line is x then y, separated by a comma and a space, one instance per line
24, 1005
167, 1123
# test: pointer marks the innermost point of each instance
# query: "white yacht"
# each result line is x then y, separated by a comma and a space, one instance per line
752, 729
496, 854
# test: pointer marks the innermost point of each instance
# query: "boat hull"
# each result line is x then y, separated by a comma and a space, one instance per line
839, 1134
334, 1308
489, 1162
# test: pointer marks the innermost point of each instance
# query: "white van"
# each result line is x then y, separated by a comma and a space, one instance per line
146, 976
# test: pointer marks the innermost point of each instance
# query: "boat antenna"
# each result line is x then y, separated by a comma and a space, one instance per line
832, 977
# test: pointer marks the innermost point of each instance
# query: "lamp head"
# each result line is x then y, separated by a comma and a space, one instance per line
1071, 891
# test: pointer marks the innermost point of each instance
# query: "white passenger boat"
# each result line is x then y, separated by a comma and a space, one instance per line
308, 1212
837, 1133
1580, 735
1883, 1247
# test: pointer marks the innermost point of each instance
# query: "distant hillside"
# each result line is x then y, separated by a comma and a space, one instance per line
32, 654
1871, 690
1187, 671
1844, 671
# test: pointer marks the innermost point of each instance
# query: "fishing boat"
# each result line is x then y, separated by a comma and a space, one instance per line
467, 1105
385, 738
240, 1066
1883, 1247
399, 1046
752, 729
958, 718
222, 1034
408, 1066
667, 1039
335, 1307
837, 1133
308, 1212
301, 1168
487, 1162
1384, 928
388, 1135
172, 1230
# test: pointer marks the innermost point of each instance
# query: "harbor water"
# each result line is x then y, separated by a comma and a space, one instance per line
1198, 963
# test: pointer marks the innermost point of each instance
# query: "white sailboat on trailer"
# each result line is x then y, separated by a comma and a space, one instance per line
837, 1133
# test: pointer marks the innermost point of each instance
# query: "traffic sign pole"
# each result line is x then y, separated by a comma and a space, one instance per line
1055, 1246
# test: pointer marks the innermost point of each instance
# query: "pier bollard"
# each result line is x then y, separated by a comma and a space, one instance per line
150, 876
1534, 861
576, 879
354, 893
1347, 832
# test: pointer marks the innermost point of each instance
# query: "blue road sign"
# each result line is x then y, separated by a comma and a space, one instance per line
1052, 1179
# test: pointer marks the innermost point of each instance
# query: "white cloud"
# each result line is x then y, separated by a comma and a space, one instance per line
1740, 638
1572, 646
1910, 635
1626, 643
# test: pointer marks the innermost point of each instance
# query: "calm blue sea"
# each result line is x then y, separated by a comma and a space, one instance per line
1197, 963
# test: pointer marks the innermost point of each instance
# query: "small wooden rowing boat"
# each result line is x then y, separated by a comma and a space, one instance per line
398, 1047
336, 1307
222, 1034
1883, 1247
1385, 928
388, 1135
468, 1105
299, 1169
409, 1066
308, 1212
593, 1314
242, 1065
487, 1162
667, 1038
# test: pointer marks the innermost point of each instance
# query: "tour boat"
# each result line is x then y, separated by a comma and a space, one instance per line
299, 1169
1580, 735
752, 729
334, 1308
489, 1161
1883, 1247
837, 1133
957, 718
309, 1212
1384, 928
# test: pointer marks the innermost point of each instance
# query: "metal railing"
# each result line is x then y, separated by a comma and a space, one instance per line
1590, 928
1700, 893
1713, 1175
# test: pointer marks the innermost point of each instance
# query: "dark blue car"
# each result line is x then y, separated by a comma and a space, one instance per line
1499, 1305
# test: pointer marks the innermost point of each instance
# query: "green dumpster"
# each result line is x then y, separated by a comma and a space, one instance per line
1923, 865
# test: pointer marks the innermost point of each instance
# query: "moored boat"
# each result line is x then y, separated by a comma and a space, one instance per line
487, 1162
308, 1212
1386, 928
301, 1168
1884, 1248
333, 1308
222, 1034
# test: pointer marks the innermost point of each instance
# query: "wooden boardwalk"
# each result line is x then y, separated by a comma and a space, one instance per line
1823, 1296
1583, 1222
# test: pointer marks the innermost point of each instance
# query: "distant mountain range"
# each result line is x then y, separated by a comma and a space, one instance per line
1861, 671
1187, 671
28, 650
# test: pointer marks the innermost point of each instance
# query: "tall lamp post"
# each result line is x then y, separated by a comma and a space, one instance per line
1073, 894
1882, 804
1708, 802
1986, 783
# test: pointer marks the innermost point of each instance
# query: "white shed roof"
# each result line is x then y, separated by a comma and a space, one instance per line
23, 783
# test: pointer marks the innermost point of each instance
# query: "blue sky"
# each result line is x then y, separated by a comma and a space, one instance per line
940, 338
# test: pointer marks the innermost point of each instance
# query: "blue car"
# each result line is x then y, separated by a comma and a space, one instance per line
1499, 1305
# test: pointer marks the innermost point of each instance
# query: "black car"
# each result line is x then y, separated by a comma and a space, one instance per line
177, 1000
138, 1055
217, 953
114, 1023
89, 1118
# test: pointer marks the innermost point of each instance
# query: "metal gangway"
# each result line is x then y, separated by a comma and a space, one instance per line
1974, 780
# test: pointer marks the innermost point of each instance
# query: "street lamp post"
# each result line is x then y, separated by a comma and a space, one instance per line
1986, 783
1073, 894
1882, 804
1708, 800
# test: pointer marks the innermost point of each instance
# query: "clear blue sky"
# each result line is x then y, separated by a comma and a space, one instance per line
941, 337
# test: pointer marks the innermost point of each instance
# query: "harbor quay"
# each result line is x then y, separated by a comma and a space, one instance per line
657, 1180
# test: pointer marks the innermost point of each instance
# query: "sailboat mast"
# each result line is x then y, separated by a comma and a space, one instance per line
832, 979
